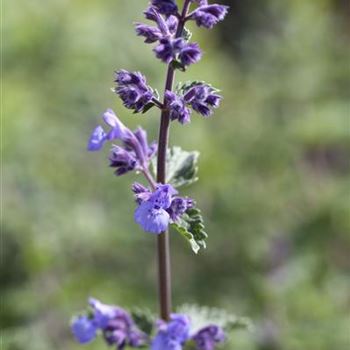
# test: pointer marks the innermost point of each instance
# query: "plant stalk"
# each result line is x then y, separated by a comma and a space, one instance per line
164, 271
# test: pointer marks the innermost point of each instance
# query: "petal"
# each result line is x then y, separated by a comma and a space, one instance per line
83, 329
119, 130
162, 197
150, 219
102, 313
97, 139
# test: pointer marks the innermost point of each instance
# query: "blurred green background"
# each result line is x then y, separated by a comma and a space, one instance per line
274, 172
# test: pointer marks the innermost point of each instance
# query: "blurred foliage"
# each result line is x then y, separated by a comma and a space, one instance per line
274, 172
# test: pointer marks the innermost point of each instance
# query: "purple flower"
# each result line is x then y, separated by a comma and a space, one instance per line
190, 53
179, 206
165, 7
133, 90
177, 107
117, 131
165, 27
135, 152
207, 338
202, 98
156, 210
84, 329
117, 325
151, 34
121, 331
123, 160
172, 335
102, 313
209, 15
171, 49
168, 49
152, 214
142, 193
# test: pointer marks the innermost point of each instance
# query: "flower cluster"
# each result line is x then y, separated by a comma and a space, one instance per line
135, 152
200, 96
176, 333
113, 322
158, 208
173, 45
132, 88
119, 329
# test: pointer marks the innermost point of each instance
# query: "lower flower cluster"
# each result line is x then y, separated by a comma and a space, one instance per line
159, 208
119, 329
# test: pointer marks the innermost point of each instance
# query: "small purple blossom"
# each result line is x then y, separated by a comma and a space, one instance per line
142, 193
209, 15
102, 313
172, 335
151, 34
177, 107
170, 49
178, 207
117, 131
157, 209
121, 331
165, 7
202, 98
84, 329
152, 214
135, 152
132, 88
190, 54
122, 159
207, 338
165, 27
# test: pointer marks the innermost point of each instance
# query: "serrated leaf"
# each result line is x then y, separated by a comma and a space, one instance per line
183, 231
191, 227
202, 316
182, 167
144, 319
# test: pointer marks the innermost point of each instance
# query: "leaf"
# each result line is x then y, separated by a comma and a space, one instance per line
178, 65
202, 316
182, 167
186, 34
147, 107
144, 319
182, 88
191, 226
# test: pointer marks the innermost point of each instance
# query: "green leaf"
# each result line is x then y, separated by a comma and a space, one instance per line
178, 65
182, 88
182, 167
186, 34
202, 316
144, 319
147, 107
191, 226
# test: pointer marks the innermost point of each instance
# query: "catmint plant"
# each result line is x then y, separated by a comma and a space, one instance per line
158, 202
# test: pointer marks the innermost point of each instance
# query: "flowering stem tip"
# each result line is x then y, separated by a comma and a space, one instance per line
158, 204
